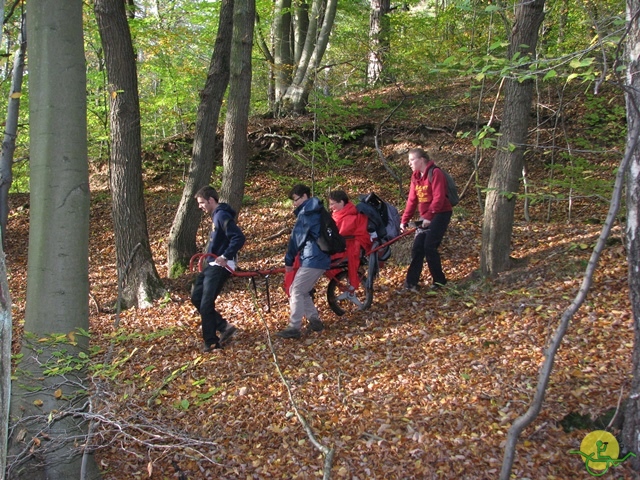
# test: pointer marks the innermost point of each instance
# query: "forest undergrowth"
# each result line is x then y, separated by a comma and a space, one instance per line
418, 386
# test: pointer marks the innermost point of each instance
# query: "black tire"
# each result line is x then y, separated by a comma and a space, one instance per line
340, 302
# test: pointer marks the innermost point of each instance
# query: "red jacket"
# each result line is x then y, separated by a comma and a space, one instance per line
428, 198
353, 226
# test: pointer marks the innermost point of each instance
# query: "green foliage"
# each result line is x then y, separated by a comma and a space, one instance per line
579, 176
605, 120
20, 183
178, 269
64, 362
485, 138
330, 118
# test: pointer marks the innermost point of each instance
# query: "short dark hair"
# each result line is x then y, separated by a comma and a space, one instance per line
339, 196
299, 190
420, 153
207, 192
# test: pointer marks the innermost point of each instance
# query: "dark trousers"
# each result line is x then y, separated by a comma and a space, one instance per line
425, 247
206, 289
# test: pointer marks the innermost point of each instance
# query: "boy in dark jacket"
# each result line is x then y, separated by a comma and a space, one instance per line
225, 241
313, 262
429, 197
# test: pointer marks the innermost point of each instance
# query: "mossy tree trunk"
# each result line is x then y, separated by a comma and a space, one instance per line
49, 401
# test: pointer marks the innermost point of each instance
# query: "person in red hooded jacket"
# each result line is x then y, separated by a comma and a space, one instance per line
352, 225
429, 197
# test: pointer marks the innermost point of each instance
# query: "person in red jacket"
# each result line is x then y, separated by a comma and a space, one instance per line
434, 208
352, 225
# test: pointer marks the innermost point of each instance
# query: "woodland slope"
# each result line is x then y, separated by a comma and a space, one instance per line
418, 386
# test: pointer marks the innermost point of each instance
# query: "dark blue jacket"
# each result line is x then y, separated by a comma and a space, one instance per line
304, 235
226, 237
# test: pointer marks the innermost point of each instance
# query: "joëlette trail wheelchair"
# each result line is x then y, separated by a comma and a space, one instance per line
342, 297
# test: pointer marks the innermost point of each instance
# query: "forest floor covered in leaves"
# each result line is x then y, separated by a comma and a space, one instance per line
418, 386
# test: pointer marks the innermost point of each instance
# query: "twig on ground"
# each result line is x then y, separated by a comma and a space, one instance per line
279, 233
326, 451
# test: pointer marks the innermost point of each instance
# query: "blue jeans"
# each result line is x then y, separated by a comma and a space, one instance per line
425, 247
206, 289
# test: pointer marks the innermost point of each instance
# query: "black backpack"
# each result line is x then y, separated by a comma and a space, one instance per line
330, 241
452, 189
383, 217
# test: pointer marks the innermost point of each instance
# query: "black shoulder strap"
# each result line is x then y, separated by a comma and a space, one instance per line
430, 172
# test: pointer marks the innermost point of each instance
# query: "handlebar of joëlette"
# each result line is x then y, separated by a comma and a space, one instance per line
200, 258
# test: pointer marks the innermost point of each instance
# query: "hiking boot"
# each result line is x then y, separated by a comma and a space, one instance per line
210, 348
289, 332
227, 333
316, 324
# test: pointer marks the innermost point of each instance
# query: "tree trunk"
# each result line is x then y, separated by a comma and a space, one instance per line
136, 271
283, 48
5, 336
300, 29
236, 147
631, 426
314, 40
48, 431
503, 182
182, 237
11, 131
378, 40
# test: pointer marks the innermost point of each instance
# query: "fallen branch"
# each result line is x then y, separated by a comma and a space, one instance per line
278, 234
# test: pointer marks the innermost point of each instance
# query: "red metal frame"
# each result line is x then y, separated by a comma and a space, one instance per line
338, 264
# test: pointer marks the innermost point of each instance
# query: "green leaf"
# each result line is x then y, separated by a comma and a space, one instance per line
581, 62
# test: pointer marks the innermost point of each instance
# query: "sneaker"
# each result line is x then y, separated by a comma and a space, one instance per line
227, 333
289, 332
410, 288
316, 324
210, 348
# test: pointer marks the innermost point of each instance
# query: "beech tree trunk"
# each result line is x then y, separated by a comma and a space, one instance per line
236, 146
378, 40
137, 273
182, 237
311, 27
283, 48
48, 431
504, 180
5, 342
631, 426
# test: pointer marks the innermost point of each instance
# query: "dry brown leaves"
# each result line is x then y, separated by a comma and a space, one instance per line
418, 386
